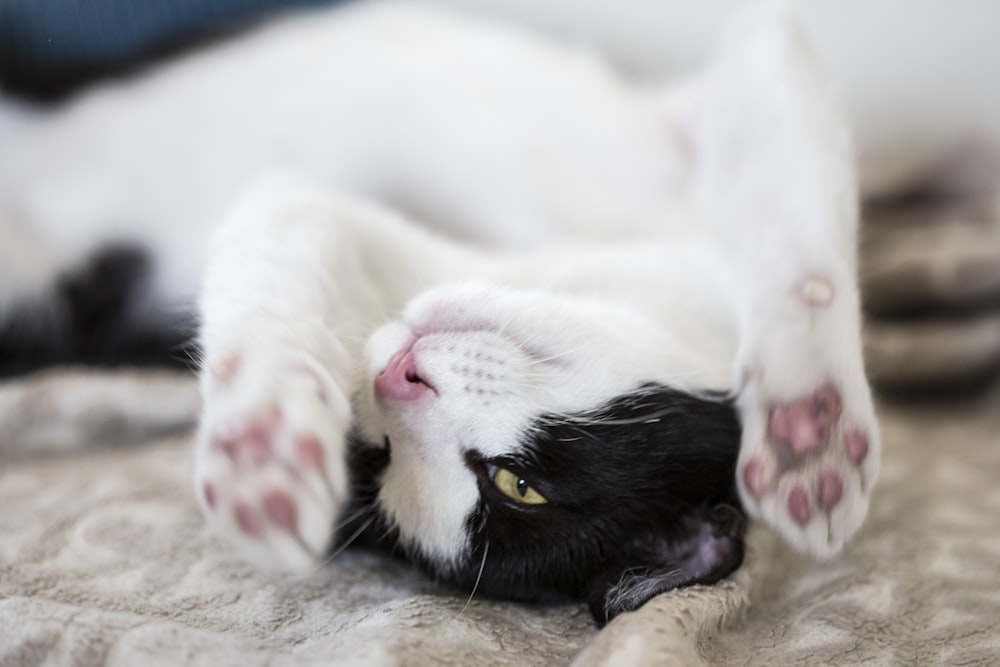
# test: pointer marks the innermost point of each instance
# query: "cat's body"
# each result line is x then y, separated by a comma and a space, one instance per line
555, 420
373, 92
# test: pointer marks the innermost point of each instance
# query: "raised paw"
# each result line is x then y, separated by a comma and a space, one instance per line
807, 467
271, 478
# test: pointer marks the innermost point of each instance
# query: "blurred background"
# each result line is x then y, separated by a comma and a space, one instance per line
919, 78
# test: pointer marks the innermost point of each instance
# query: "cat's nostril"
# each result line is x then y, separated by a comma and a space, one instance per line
401, 380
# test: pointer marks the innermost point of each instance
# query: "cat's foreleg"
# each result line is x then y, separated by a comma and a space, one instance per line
810, 451
774, 176
286, 304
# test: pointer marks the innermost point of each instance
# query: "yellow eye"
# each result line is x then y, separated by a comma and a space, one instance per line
516, 488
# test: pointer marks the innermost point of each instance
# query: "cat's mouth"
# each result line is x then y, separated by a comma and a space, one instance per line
402, 379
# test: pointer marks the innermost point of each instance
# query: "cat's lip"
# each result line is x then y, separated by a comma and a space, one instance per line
402, 379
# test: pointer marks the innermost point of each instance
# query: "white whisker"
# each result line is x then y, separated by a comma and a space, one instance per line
350, 540
352, 517
475, 586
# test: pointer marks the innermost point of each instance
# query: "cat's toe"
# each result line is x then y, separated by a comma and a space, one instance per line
807, 467
265, 483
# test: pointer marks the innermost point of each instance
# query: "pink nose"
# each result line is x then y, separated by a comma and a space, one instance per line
400, 380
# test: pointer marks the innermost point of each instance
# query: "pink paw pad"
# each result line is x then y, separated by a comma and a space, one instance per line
754, 476
831, 489
798, 505
251, 442
817, 292
280, 508
224, 368
248, 520
271, 465
310, 451
856, 446
807, 453
802, 426
208, 491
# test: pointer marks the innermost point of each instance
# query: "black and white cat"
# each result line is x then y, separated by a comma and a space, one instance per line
657, 320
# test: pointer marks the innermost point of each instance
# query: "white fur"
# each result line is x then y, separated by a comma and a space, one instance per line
358, 98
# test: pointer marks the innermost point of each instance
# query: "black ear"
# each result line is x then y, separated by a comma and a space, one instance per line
706, 547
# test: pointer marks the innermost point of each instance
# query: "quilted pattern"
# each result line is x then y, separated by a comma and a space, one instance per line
105, 561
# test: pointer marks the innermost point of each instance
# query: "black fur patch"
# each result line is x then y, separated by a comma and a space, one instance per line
93, 318
641, 499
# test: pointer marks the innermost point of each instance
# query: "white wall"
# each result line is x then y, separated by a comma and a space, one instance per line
917, 76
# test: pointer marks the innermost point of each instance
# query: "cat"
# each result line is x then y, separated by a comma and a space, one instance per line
637, 318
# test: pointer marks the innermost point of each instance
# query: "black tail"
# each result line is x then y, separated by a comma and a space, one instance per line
97, 316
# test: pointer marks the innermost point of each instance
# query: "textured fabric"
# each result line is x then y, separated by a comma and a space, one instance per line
105, 560
930, 275
921, 583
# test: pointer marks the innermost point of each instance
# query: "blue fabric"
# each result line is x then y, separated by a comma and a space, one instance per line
51, 39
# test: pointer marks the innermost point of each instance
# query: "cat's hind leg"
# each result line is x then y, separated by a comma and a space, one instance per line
773, 173
810, 451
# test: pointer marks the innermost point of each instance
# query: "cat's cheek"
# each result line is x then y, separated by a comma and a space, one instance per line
429, 499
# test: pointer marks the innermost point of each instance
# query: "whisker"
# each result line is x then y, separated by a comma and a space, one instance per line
536, 360
350, 540
361, 512
475, 586
388, 530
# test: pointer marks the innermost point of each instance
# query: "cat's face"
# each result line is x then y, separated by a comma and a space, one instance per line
549, 445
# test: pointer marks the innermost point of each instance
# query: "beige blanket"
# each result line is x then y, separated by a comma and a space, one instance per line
104, 560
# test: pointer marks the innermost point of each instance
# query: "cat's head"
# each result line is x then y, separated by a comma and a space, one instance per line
544, 445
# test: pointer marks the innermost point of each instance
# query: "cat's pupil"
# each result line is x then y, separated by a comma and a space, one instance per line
522, 487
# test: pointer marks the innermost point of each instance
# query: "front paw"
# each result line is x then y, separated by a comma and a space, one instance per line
807, 465
270, 471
